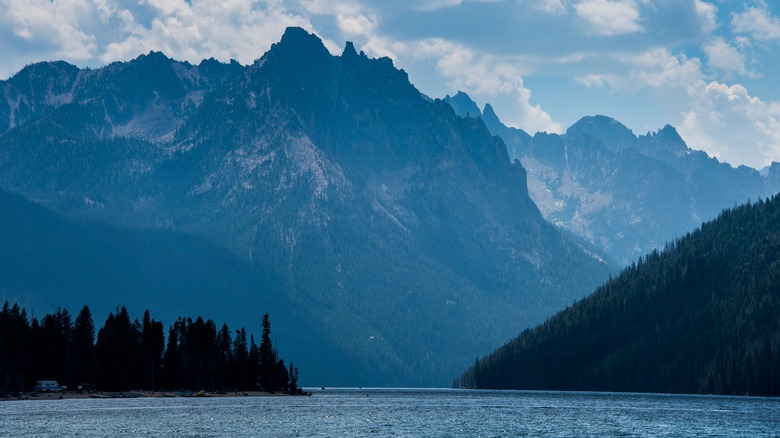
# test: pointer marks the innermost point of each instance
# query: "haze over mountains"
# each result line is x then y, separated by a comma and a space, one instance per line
626, 194
395, 239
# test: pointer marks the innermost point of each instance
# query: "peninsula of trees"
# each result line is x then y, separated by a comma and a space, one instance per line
130, 354
700, 317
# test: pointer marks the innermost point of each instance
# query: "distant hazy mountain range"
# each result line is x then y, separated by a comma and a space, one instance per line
699, 317
390, 240
624, 193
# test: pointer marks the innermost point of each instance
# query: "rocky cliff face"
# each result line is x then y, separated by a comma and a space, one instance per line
624, 193
402, 232
147, 98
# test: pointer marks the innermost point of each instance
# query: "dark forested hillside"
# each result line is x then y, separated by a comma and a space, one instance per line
700, 317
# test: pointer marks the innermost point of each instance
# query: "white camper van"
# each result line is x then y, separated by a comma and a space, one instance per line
49, 386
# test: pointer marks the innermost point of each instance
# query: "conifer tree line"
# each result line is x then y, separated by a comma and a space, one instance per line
702, 316
127, 355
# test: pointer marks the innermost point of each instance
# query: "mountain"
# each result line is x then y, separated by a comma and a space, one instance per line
623, 193
699, 317
146, 98
391, 224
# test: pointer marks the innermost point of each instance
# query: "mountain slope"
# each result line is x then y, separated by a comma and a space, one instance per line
700, 317
52, 262
625, 194
49, 261
390, 222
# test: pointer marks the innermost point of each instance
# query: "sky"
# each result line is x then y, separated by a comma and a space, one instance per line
709, 68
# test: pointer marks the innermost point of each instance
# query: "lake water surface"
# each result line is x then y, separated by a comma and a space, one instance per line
399, 412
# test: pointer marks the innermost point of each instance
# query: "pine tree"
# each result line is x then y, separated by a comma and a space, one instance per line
172, 366
16, 346
81, 358
293, 386
225, 358
267, 357
116, 350
54, 338
150, 352
253, 365
241, 366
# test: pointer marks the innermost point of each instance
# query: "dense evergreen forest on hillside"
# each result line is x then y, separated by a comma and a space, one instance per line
703, 316
135, 355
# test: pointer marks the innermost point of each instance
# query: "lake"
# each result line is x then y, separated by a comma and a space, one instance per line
399, 412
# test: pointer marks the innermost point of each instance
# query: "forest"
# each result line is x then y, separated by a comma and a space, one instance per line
701, 316
135, 355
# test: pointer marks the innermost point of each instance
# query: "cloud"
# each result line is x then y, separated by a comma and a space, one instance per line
655, 68
724, 120
331, 7
371, 43
54, 25
757, 22
725, 57
431, 5
708, 14
733, 125
101, 31
610, 17
486, 76
197, 29
553, 7
356, 25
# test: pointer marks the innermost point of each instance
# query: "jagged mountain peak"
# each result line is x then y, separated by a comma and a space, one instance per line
301, 59
666, 145
668, 137
297, 46
463, 105
349, 51
153, 56
489, 115
609, 131
214, 68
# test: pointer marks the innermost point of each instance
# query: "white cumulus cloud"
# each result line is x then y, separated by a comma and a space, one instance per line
758, 22
195, 29
610, 17
364, 28
56, 27
485, 76
101, 31
708, 14
733, 125
724, 120
725, 57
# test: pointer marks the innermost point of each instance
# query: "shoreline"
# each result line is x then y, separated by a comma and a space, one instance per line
71, 395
